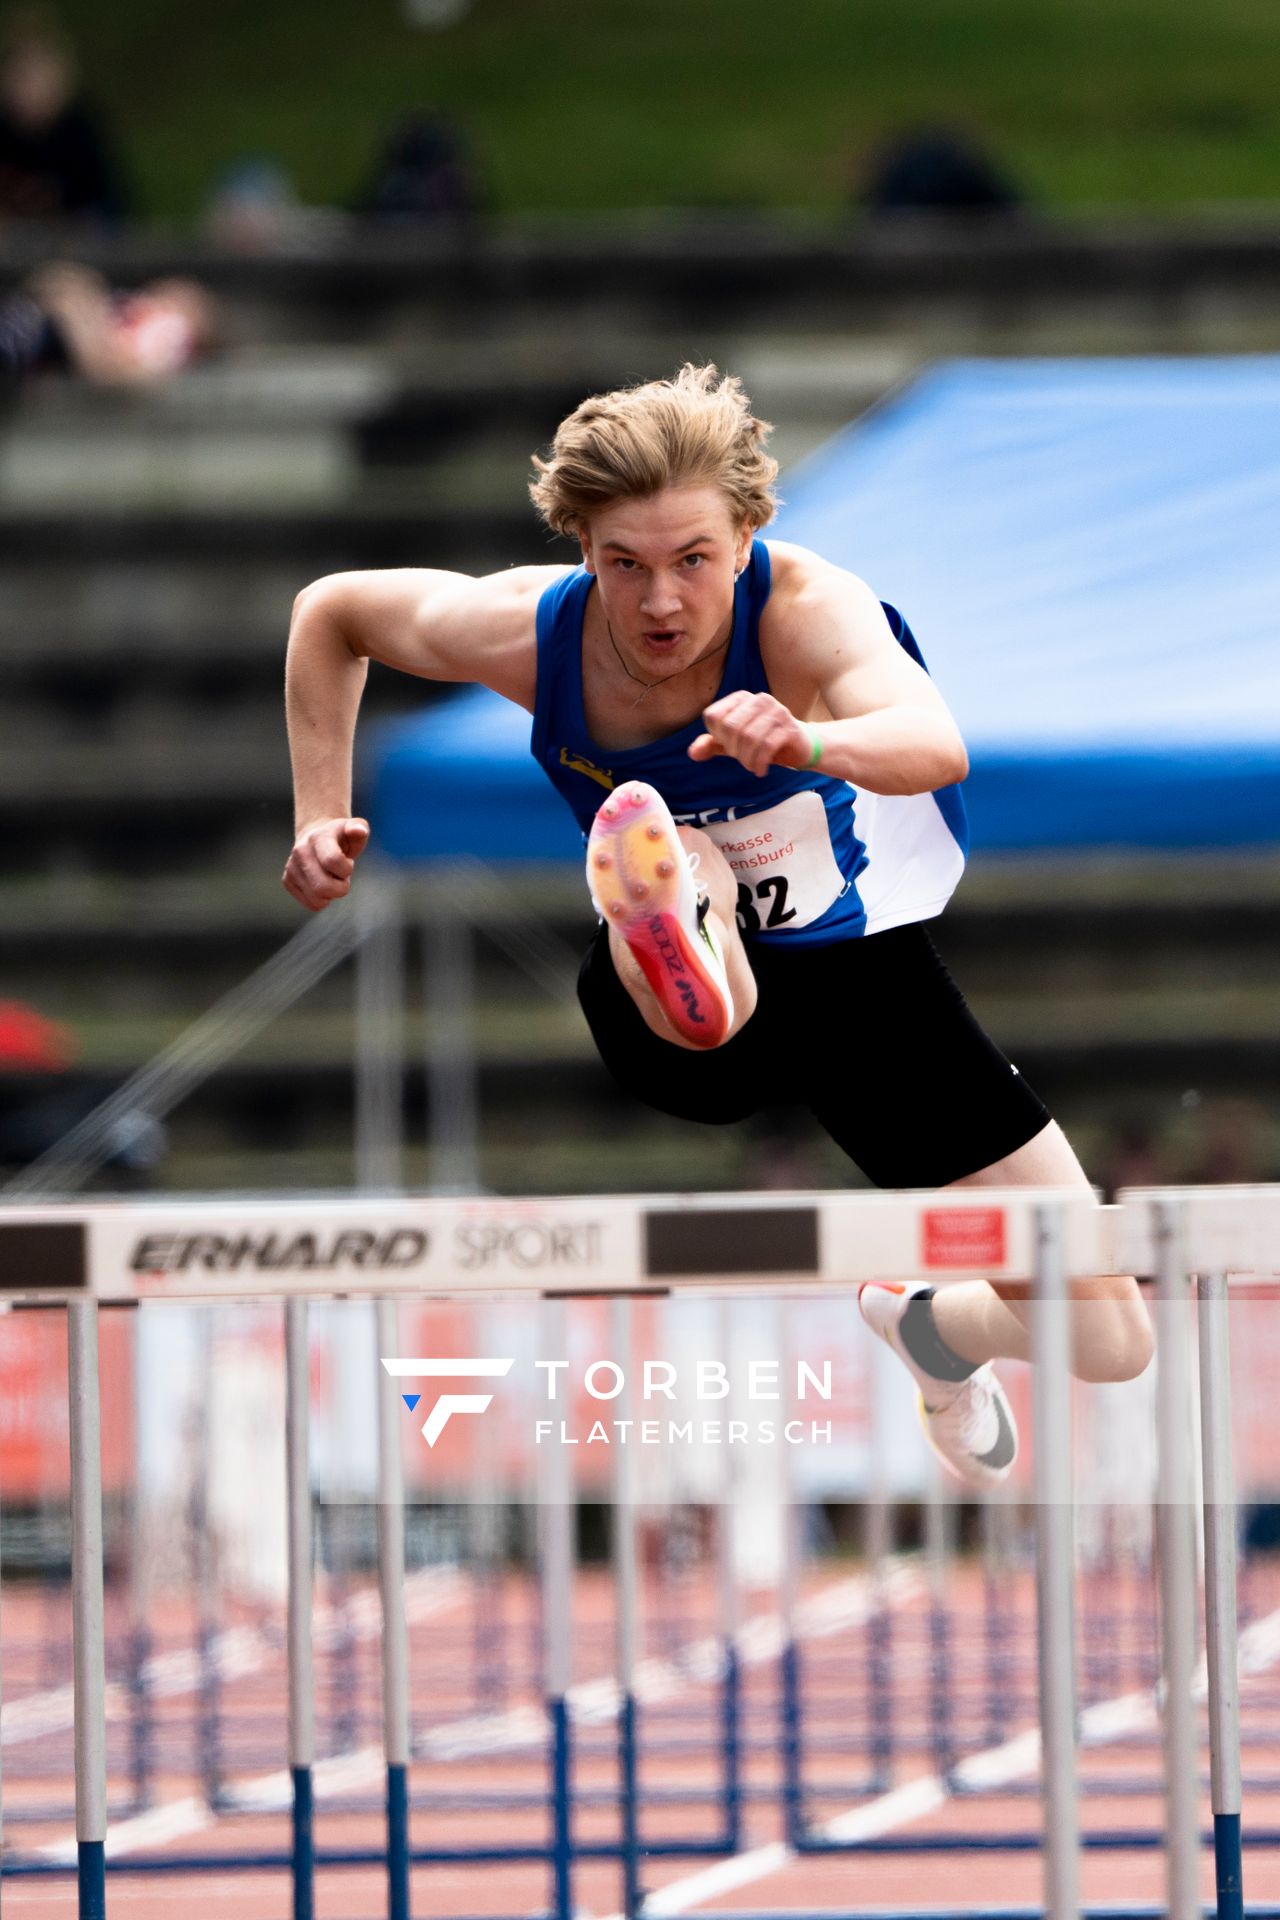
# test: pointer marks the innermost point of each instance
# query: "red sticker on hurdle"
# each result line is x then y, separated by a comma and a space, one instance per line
963, 1237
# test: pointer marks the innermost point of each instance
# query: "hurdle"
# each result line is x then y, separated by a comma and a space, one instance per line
302, 1729
87, 1254
1050, 1266
395, 1631
1212, 1233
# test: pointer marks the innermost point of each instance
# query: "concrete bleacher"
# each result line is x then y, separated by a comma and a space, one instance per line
377, 408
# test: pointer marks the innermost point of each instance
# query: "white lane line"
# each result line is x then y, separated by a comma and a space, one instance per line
726, 1876
897, 1808
155, 1828
427, 1593
848, 1602
38, 1714
994, 1768
998, 1766
235, 1653
262, 1889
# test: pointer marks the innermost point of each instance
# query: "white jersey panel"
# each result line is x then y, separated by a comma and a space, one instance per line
914, 861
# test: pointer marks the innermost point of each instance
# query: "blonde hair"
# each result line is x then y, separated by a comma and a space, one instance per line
695, 430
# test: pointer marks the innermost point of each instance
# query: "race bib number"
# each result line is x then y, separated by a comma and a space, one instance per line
783, 862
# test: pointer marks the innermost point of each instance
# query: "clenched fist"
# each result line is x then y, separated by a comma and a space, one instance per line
323, 859
755, 729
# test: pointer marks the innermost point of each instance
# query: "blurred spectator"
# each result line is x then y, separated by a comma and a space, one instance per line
780, 1153
422, 173
31, 1043
1135, 1159
254, 207
1227, 1141
435, 14
42, 1097
1214, 1140
55, 161
67, 319
936, 170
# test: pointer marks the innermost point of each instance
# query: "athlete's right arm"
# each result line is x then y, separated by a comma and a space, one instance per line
442, 626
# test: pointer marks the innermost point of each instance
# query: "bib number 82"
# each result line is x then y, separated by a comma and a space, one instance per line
774, 890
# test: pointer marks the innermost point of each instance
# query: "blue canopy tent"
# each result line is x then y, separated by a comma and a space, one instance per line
1089, 554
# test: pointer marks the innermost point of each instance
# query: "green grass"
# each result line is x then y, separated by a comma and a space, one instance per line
735, 103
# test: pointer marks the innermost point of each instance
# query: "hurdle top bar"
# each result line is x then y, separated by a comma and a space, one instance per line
218, 1248
196, 1248
1231, 1230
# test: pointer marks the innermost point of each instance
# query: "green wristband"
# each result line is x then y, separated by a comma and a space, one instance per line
815, 752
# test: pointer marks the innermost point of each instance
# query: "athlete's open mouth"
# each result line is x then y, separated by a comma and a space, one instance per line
664, 638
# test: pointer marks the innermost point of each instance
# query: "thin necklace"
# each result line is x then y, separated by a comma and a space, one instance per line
649, 685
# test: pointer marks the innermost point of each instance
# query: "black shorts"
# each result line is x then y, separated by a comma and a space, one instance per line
872, 1036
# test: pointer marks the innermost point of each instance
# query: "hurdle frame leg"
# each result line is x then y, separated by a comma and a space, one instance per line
88, 1642
938, 1530
395, 1629
729, 1622
453, 1093
1177, 1569
1220, 1623
627, 1627
141, 1716
556, 1591
790, 1680
300, 1651
379, 1036
204, 1569
1055, 1570
878, 1544
994, 1517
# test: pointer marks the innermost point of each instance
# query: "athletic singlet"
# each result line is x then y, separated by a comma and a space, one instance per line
816, 859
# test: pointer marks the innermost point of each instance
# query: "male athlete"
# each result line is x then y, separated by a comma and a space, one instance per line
767, 778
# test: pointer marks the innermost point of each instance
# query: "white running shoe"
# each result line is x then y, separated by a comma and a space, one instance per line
968, 1423
642, 883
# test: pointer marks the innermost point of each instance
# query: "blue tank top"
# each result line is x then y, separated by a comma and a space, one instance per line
816, 859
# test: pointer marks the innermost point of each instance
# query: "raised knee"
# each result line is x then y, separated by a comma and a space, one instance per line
1139, 1345
1114, 1342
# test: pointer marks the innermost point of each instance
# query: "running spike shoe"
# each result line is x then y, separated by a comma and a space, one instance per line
642, 882
968, 1423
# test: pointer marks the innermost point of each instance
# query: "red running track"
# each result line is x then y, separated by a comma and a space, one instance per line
981, 1670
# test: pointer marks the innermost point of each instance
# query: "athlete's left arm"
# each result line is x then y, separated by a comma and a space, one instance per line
882, 723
